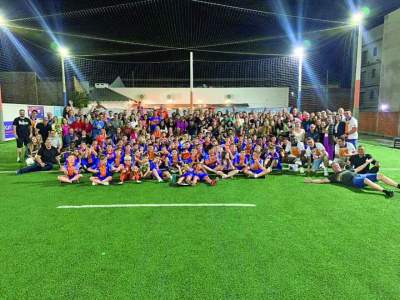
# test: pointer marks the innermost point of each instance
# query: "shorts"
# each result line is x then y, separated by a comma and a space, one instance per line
201, 176
160, 173
212, 166
258, 171
187, 174
102, 178
358, 181
22, 141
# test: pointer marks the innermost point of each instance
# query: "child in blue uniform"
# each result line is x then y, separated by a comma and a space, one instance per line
102, 171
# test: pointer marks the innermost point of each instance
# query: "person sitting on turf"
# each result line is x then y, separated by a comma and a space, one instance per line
316, 156
256, 166
241, 161
228, 169
45, 159
156, 172
273, 159
70, 170
360, 158
200, 175
103, 172
351, 178
293, 153
187, 176
212, 161
125, 169
343, 150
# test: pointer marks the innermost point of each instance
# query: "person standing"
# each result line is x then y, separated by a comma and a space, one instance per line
351, 128
22, 127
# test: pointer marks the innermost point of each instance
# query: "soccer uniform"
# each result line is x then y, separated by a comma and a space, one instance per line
255, 168
104, 170
240, 161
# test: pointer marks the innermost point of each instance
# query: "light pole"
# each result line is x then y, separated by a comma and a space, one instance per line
357, 20
299, 53
64, 52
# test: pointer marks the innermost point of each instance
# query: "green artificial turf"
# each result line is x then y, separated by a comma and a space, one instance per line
300, 241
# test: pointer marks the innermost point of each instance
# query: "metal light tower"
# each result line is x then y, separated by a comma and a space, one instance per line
64, 53
357, 20
299, 53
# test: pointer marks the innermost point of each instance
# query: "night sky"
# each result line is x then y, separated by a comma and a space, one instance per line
195, 25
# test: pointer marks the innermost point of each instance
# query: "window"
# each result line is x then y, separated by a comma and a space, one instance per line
371, 95
375, 51
364, 57
363, 78
373, 74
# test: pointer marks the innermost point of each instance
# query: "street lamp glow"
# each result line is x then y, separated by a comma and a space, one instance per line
357, 18
3, 21
299, 52
64, 52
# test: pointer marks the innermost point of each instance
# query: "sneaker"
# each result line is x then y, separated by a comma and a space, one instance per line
160, 180
255, 175
94, 183
301, 170
106, 183
388, 194
295, 168
326, 174
121, 182
18, 159
138, 181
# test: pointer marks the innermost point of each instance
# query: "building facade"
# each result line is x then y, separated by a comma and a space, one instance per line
380, 78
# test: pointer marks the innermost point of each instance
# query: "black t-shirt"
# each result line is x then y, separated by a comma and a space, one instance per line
357, 160
48, 155
44, 130
23, 127
344, 177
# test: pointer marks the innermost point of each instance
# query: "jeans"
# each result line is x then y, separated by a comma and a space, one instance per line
36, 168
353, 141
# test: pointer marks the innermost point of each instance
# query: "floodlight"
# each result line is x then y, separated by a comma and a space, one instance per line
64, 52
384, 107
357, 18
3, 21
299, 52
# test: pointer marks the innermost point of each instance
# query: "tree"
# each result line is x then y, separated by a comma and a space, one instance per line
79, 99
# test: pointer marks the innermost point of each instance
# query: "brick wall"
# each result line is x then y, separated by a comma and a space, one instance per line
380, 123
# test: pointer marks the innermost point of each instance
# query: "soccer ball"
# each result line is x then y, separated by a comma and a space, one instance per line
29, 161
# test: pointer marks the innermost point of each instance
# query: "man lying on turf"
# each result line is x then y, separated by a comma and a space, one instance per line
351, 178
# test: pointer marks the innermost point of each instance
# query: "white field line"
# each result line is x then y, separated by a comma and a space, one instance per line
159, 205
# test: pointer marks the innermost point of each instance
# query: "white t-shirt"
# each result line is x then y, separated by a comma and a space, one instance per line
294, 150
341, 152
351, 124
318, 147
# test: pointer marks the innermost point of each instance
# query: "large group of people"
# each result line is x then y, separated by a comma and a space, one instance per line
187, 147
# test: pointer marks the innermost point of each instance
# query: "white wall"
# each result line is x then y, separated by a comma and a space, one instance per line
255, 97
389, 93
